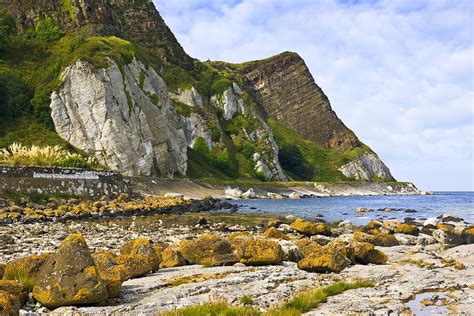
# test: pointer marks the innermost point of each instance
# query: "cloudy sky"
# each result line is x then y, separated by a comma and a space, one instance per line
399, 73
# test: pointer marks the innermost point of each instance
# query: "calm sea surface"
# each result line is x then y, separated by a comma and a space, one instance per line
343, 208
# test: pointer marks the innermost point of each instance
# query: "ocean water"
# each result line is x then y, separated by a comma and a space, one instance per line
344, 208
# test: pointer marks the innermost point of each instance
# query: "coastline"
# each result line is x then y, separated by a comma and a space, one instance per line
196, 189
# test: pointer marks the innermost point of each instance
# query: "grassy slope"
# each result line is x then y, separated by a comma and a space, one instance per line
323, 161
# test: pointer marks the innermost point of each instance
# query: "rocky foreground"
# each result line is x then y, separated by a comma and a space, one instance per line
153, 264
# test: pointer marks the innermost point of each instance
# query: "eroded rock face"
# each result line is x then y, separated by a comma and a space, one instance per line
366, 167
127, 126
285, 89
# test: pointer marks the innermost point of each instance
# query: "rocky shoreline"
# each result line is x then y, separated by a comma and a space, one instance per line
163, 262
199, 190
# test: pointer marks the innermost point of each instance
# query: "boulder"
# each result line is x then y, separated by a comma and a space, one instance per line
25, 269
468, 235
374, 225
110, 272
272, 232
171, 257
446, 234
294, 195
307, 246
134, 266
366, 253
207, 250
310, 229
69, 276
249, 194
376, 238
390, 226
233, 193
254, 251
9, 304
408, 229
143, 247
327, 259
291, 252
15, 289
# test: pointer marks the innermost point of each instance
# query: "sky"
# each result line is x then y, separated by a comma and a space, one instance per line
400, 74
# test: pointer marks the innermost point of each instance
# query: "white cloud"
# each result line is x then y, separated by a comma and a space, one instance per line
399, 73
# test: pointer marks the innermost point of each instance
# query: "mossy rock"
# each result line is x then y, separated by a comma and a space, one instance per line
328, 259
16, 289
408, 229
9, 304
207, 250
255, 251
307, 246
25, 269
344, 247
143, 247
171, 257
376, 238
468, 235
310, 229
159, 248
134, 266
391, 225
373, 225
274, 233
69, 276
366, 253
110, 272
2, 270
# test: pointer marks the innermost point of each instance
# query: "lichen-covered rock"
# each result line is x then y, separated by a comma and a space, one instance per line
272, 232
305, 227
26, 266
447, 235
255, 251
307, 246
327, 259
69, 277
207, 250
468, 235
9, 304
171, 257
110, 272
134, 266
15, 289
2, 270
374, 225
377, 238
366, 253
143, 247
408, 229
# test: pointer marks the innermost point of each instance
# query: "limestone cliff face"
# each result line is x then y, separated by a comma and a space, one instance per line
366, 167
128, 126
286, 91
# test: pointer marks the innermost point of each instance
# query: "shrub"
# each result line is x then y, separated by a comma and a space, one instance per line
7, 28
47, 30
200, 146
293, 161
15, 96
215, 133
18, 155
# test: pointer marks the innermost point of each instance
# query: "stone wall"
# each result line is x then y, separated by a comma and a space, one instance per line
61, 181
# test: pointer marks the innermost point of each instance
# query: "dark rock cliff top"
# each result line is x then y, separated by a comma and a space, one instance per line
286, 91
137, 21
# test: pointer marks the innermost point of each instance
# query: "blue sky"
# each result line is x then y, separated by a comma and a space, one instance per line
398, 73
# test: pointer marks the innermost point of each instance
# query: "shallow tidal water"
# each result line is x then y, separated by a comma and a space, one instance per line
344, 208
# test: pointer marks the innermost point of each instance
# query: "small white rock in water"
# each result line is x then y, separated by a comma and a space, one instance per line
233, 193
363, 210
250, 194
294, 195
174, 196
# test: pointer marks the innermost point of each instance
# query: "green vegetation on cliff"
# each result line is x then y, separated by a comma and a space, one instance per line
305, 160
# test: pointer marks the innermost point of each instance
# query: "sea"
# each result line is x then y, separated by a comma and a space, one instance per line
402, 207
